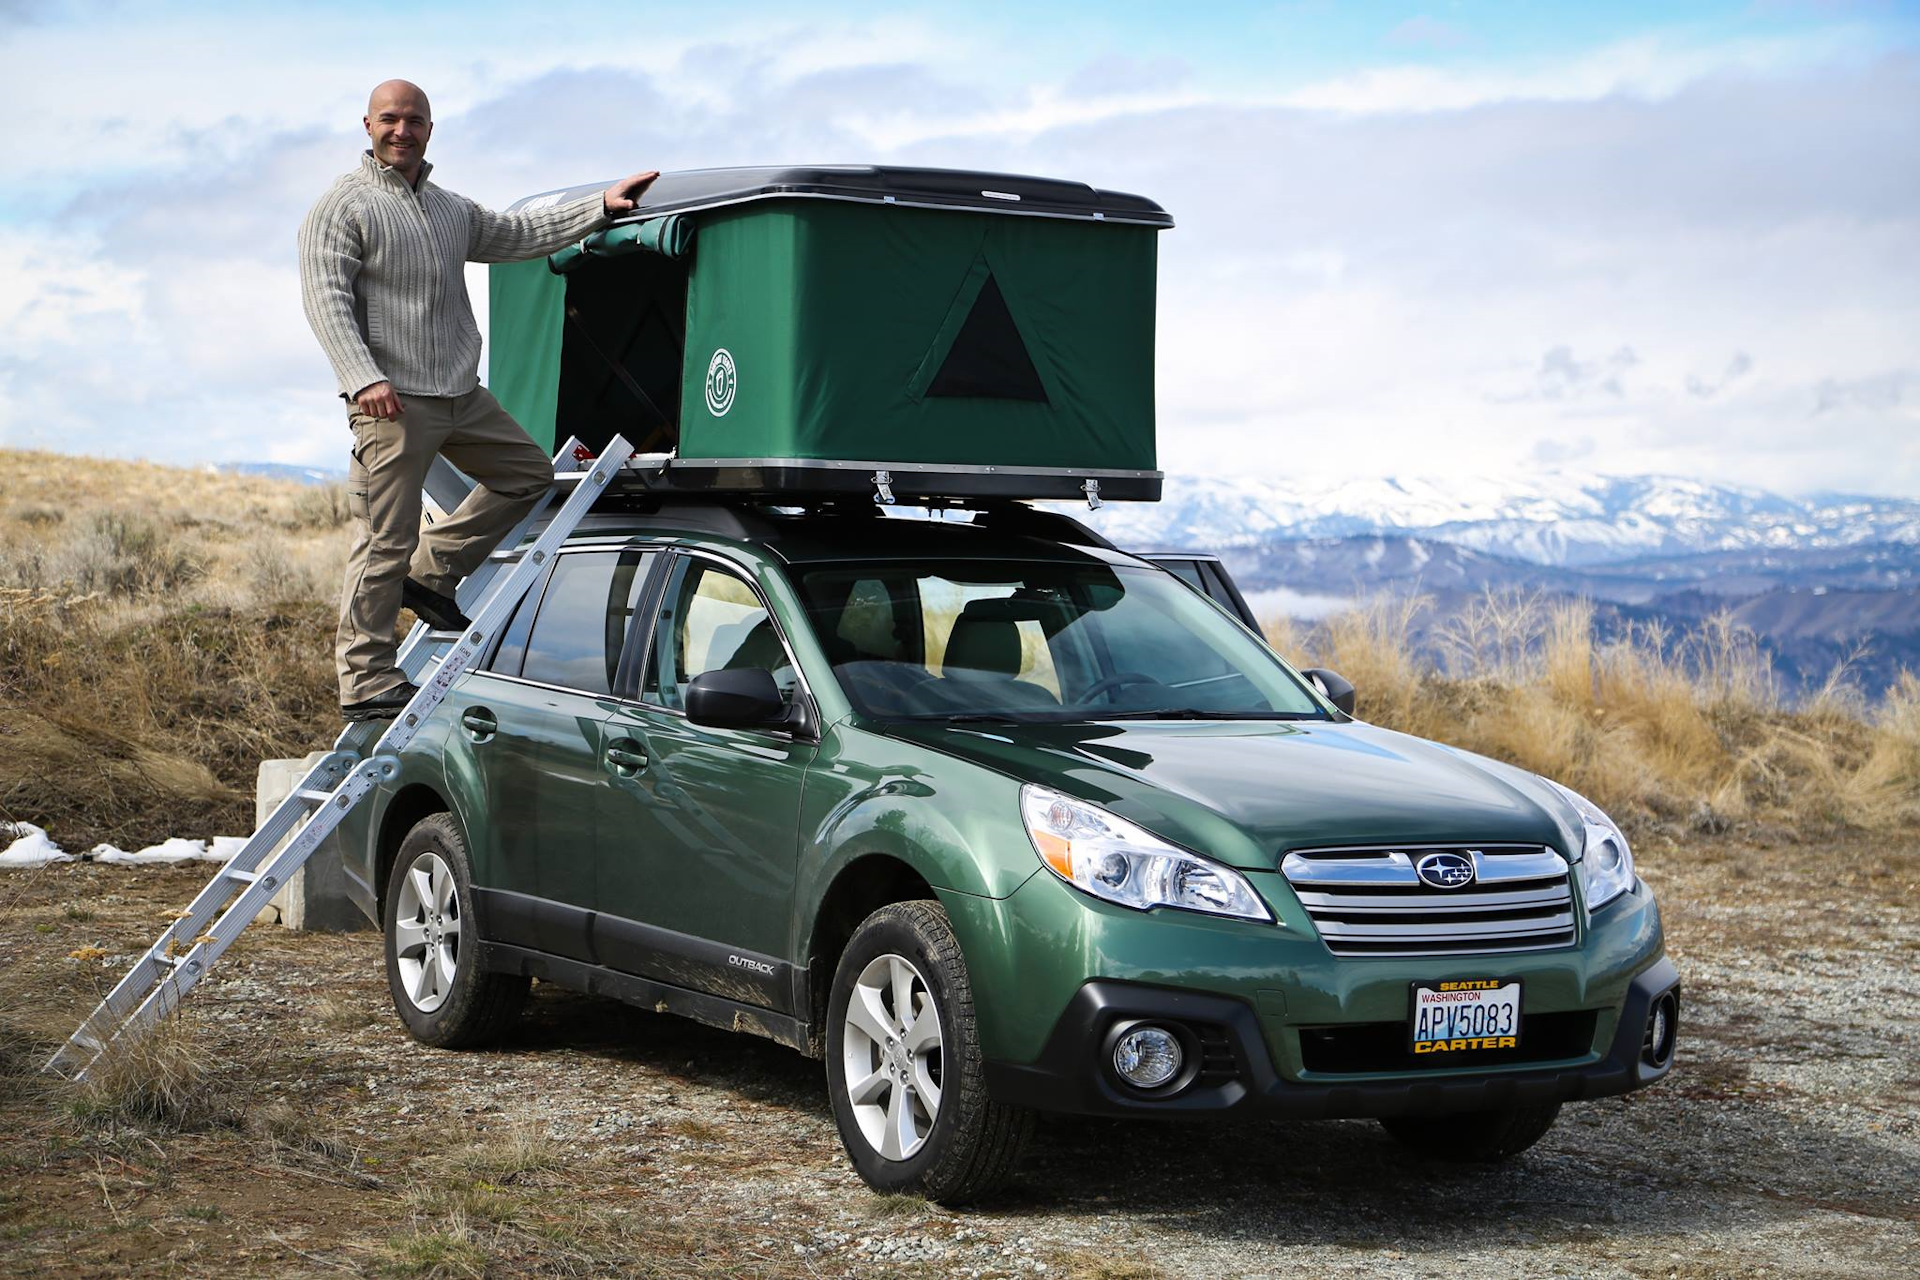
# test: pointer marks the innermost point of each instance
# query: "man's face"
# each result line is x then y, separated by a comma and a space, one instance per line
399, 122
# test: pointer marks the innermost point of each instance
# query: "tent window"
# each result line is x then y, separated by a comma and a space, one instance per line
988, 359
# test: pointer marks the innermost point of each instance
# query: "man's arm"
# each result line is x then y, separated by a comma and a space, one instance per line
510, 237
330, 252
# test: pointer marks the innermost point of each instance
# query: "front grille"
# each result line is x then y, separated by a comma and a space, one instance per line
1382, 1046
1372, 902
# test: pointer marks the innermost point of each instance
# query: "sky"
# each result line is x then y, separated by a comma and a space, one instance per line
1440, 240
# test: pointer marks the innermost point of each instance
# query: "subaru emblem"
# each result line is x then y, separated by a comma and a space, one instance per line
1445, 870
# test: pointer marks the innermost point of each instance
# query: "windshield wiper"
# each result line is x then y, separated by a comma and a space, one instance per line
1192, 713
967, 717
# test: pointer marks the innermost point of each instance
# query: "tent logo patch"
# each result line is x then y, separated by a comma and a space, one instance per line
720, 382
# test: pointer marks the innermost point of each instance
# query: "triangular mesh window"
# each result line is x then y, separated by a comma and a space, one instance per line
988, 360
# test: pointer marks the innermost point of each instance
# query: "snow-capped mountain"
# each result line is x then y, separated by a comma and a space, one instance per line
1544, 519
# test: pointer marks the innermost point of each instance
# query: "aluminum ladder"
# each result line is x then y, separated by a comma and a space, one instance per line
365, 755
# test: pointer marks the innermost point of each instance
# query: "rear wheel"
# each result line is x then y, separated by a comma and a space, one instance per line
1474, 1136
433, 952
904, 1070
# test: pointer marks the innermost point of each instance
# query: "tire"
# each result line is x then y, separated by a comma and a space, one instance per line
429, 931
1474, 1137
964, 1145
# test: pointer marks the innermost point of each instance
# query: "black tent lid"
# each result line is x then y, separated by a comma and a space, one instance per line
689, 190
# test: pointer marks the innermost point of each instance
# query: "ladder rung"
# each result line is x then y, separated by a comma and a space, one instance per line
172, 962
314, 795
448, 636
505, 557
244, 877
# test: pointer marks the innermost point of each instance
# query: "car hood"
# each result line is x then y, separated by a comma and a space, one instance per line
1248, 791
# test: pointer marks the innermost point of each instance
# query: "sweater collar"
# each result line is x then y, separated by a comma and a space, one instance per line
387, 176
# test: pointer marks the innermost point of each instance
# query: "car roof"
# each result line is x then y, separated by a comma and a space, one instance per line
851, 532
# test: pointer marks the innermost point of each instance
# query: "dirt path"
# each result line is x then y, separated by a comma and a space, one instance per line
607, 1141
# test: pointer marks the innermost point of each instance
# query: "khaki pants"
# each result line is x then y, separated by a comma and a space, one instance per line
390, 461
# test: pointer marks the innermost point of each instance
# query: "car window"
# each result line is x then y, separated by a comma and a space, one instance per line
581, 625
1188, 571
966, 610
711, 620
1041, 640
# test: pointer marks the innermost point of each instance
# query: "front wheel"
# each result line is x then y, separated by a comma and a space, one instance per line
433, 951
904, 1071
1474, 1136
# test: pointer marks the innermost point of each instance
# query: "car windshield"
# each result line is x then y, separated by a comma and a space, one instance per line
1039, 640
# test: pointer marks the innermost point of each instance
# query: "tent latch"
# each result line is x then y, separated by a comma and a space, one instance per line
883, 488
1092, 489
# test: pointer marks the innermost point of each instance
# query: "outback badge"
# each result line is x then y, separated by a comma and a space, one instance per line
1445, 870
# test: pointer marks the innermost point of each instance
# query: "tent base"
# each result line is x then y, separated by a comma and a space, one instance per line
902, 481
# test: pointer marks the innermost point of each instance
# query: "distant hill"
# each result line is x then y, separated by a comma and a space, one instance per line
1811, 609
280, 471
1543, 519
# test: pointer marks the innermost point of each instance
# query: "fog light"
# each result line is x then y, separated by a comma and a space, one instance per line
1147, 1057
1662, 1023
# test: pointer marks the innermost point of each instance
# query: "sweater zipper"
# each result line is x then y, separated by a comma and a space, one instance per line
439, 288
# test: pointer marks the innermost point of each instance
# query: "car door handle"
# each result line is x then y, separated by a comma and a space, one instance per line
626, 757
479, 723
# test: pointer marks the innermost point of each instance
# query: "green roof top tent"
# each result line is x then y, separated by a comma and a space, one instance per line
790, 330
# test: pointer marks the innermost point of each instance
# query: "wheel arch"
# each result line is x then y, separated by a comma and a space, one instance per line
865, 884
408, 806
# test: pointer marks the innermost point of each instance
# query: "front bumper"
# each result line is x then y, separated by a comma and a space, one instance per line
1071, 1073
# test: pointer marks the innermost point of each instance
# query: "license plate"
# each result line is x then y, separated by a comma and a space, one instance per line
1464, 1016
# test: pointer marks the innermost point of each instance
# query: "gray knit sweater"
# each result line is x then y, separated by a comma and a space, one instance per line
382, 280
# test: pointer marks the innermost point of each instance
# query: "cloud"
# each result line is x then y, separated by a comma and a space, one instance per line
1880, 392
1422, 30
1511, 281
1737, 368
1560, 453
1117, 75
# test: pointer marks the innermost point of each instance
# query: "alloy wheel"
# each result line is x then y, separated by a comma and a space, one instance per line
891, 1055
426, 931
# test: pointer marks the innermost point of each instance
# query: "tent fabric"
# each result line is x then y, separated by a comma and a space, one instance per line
826, 330
526, 308
670, 237
835, 320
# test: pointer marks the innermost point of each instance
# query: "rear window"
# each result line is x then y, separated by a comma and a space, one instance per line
583, 619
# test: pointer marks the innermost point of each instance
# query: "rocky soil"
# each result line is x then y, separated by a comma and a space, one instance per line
606, 1140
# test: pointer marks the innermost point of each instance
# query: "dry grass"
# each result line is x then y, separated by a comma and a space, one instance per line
1657, 727
161, 631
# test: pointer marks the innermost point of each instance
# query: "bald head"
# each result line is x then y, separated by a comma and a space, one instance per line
399, 121
389, 92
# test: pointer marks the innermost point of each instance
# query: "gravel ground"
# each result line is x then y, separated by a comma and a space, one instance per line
608, 1140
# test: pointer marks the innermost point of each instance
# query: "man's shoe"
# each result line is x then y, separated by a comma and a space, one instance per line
442, 613
381, 706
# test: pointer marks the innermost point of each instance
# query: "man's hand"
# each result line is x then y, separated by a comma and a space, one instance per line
624, 195
379, 401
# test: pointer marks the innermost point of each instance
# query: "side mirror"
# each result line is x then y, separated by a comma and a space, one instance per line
1333, 686
746, 698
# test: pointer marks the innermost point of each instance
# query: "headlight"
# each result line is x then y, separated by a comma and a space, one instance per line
1606, 864
1109, 857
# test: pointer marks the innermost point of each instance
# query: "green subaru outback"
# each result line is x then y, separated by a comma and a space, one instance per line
997, 819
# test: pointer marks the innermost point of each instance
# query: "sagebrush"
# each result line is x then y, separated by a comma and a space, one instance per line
164, 629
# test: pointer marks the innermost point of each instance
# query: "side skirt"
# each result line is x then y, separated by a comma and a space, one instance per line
714, 1011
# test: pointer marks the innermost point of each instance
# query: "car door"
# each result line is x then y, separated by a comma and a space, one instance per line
700, 825
530, 728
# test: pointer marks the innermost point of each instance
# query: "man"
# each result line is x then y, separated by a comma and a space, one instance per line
382, 279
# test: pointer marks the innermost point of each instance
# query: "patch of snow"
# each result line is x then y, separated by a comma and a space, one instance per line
178, 849
30, 846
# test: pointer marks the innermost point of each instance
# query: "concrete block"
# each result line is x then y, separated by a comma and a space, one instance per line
315, 898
